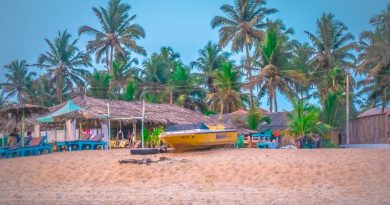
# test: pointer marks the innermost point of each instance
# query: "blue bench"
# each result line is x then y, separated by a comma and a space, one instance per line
35, 147
90, 144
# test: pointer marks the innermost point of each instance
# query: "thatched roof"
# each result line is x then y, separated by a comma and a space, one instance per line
279, 120
11, 116
164, 114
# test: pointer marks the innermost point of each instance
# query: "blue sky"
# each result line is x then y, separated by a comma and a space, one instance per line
182, 24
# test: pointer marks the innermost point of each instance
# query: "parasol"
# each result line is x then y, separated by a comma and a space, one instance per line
19, 113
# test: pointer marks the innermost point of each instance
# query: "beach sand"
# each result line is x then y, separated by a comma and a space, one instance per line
223, 176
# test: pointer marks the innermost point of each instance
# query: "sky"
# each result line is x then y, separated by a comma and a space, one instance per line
183, 25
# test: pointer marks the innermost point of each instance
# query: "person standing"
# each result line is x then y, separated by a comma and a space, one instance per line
318, 141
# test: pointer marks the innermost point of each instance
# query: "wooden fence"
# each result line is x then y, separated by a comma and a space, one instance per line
369, 130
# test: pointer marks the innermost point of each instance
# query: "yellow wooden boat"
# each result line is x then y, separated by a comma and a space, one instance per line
198, 136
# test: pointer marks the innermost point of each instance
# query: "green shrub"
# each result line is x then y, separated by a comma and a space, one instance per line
326, 143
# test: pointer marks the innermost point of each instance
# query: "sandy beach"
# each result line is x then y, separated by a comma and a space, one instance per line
226, 176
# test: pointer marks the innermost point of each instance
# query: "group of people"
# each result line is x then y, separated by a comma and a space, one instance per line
310, 141
14, 138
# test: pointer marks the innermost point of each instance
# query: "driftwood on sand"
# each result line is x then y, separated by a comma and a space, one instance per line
146, 161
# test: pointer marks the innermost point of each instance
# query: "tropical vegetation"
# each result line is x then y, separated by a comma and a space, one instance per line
274, 64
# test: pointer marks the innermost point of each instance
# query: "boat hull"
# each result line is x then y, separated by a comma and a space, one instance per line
199, 140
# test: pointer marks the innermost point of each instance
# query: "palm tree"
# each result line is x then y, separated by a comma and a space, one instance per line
44, 93
99, 83
210, 59
255, 117
333, 47
275, 76
158, 70
123, 72
302, 55
19, 81
185, 88
3, 100
241, 27
228, 95
63, 62
305, 119
117, 34
374, 58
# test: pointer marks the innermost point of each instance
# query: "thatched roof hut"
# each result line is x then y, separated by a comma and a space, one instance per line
162, 114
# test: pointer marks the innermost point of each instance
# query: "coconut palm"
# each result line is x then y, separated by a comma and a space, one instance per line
185, 88
333, 47
374, 58
44, 93
123, 72
157, 73
228, 95
64, 63
18, 81
210, 59
3, 101
305, 119
275, 75
118, 33
99, 83
302, 55
241, 26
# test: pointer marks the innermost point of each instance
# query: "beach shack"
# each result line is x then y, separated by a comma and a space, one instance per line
87, 112
370, 127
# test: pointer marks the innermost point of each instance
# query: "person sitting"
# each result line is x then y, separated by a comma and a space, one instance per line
28, 138
14, 138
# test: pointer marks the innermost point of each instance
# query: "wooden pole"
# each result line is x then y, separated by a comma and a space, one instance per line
109, 126
347, 107
143, 120
2, 138
23, 124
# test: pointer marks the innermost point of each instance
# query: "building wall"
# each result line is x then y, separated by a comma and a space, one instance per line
369, 130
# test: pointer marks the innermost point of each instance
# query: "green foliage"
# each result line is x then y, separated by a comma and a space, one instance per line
326, 143
273, 54
375, 62
305, 119
129, 91
63, 63
44, 93
241, 27
255, 117
99, 84
19, 81
210, 59
228, 95
209, 112
153, 136
332, 47
147, 136
117, 34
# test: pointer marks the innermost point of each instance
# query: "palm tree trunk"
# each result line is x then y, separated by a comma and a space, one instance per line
171, 96
110, 67
275, 102
249, 71
384, 99
270, 101
220, 115
59, 88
